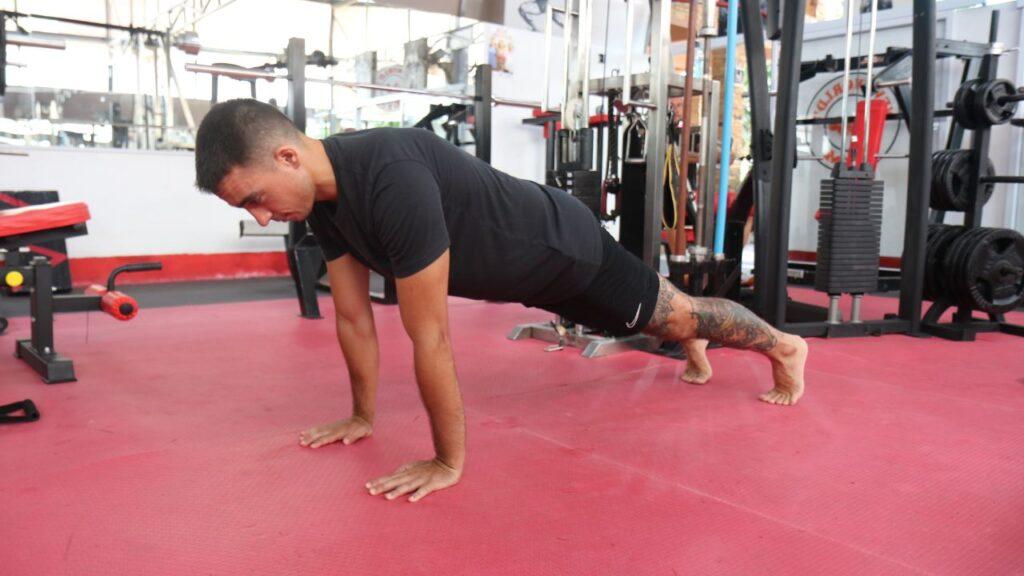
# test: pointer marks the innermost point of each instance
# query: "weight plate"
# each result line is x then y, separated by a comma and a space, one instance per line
957, 179
987, 189
963, 106
977, 104
943, 198
938, 196
994, 273
940, 236
955, 267
991, 112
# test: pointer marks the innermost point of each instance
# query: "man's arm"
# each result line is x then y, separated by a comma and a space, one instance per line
423, 303
357, 335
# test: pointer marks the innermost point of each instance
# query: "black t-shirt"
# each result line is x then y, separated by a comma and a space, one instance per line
405, 195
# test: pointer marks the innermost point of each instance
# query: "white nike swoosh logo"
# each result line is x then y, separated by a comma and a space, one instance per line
635, 318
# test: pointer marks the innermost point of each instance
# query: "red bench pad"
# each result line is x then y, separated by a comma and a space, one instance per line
29, 219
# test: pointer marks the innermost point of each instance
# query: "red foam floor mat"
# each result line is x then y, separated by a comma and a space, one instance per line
176, 453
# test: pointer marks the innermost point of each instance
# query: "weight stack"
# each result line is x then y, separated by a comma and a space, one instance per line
849, 233
55, 250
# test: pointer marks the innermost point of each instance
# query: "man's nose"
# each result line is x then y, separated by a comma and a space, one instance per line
261, 215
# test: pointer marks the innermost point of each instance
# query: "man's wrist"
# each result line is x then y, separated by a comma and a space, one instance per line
453, 464
364, 415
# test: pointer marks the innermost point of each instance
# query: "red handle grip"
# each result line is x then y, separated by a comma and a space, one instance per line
117, 304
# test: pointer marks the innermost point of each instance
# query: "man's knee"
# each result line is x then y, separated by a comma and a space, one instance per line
673, 314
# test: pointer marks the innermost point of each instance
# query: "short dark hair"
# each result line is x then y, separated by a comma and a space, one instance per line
233, 133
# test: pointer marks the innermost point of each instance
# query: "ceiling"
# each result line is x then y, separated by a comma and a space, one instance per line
482, 10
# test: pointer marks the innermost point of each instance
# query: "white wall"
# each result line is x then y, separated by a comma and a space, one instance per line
519, 149
141, 202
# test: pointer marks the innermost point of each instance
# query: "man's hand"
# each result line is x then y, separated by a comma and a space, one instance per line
348, 431
424, 476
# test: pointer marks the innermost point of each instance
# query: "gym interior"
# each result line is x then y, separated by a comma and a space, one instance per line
849, 172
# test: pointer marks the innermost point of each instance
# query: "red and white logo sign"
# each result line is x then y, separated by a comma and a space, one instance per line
824, 140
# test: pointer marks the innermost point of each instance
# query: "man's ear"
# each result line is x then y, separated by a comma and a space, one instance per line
287, 155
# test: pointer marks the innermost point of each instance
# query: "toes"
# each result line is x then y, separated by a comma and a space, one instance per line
778, 397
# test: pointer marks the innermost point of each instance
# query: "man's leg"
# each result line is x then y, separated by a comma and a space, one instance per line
689, 320
698, 367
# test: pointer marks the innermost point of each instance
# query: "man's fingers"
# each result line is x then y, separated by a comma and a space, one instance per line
326, 439
311, 435
405, 488
423, 491
356, 436
321, 442
381, 485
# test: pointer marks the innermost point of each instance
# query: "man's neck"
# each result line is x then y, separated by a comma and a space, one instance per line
321, 170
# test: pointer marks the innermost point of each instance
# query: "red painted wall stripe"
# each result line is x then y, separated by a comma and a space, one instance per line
181, 267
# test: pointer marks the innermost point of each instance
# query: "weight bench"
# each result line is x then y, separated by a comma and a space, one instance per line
21, 227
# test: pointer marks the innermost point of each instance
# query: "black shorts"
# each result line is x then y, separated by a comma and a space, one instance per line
621, 298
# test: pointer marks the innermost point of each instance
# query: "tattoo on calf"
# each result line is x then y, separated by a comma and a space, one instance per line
658, 326
728, 323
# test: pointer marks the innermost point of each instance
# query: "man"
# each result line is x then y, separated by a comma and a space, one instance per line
411, 206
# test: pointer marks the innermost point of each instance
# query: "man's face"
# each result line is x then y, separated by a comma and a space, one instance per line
271, 191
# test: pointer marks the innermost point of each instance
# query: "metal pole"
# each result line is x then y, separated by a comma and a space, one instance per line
627, 75
242, 73
238, 73
482, 112
708, 214
568, 100
583, 62
921, 117
35, 41
330, 54
846, 81
295, 56
548, 22
760, 143
157, 96
140, 98
186, 109
783, 153
1013, 198
706, 178
869, 90
3, 54
661, 63
723, 173
679, 245
106, 25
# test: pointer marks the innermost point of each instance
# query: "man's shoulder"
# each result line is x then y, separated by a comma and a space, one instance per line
382, 134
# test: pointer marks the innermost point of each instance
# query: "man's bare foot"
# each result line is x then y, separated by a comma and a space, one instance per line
788, 371
347, 431
698, 367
